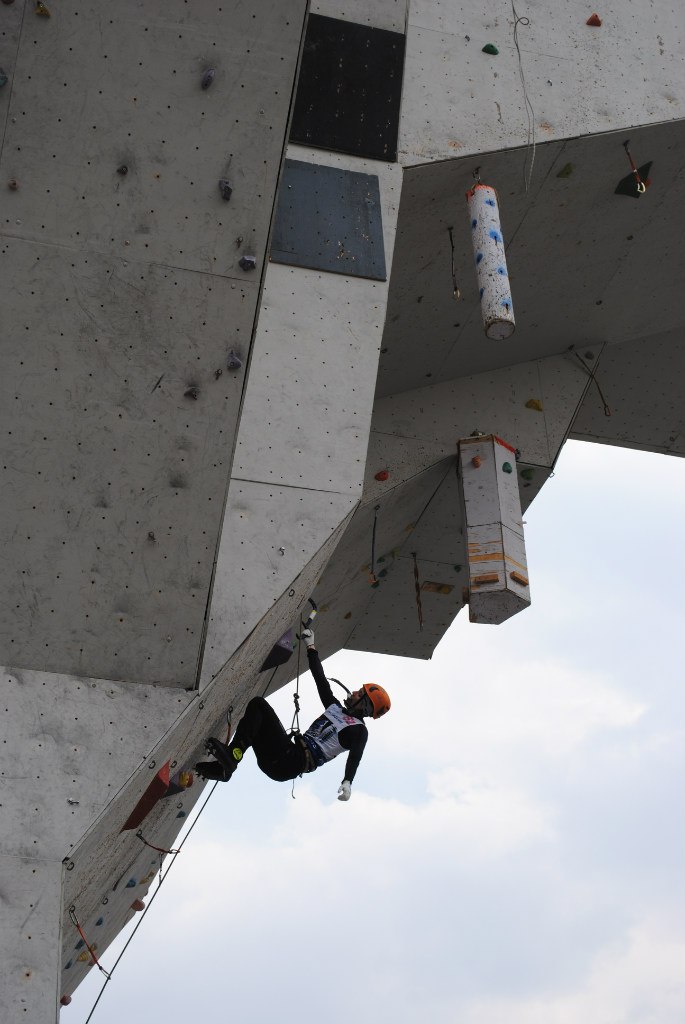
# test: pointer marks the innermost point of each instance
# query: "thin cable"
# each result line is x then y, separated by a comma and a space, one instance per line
591, 374
75, 922
530, 113
373, 544
295, 725
417, 588
159, 849
152, 899
455, 287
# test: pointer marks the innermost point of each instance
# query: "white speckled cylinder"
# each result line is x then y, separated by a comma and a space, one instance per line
491, 265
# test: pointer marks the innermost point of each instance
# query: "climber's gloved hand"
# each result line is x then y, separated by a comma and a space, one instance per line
307, 637
345, 791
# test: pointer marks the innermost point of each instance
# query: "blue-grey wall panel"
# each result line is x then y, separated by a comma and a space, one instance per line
349, 89
329, 219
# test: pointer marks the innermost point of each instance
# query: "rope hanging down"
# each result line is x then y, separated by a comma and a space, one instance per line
591, 374
530, 113
372, 574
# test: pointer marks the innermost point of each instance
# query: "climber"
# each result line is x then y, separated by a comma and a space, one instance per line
283, 757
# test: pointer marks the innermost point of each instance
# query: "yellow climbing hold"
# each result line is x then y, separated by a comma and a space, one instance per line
533, 403
42, 10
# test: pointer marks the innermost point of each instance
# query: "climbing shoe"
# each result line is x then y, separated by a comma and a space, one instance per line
228, 757
212, 770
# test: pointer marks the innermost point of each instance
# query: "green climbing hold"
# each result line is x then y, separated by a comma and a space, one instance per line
566, 171
491, 49
506, 466
527, 474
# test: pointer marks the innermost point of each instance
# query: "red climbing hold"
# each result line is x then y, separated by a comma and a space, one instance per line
137, 905
65, 1000
382, 475
594, 20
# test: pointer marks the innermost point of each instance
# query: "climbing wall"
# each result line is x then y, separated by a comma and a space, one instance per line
484, 80
128, 286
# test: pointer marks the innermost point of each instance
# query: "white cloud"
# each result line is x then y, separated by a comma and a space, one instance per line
639, 979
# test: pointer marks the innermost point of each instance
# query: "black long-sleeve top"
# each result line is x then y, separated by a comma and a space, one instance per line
352, 737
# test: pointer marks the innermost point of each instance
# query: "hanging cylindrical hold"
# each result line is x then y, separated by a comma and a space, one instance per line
491, 264
208, 78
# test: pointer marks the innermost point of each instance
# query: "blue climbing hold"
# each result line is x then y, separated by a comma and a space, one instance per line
181, 814
495, 235
474, 223
80, 944
68, 964
131, 884
100, 921
502, 271
490, 202
479, 257
480, 294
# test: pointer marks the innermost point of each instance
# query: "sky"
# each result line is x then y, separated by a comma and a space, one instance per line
514, 847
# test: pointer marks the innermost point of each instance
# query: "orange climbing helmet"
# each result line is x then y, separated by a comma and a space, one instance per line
378, 697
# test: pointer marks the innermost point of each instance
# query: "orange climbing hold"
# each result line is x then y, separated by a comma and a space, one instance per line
137, 905
594, 20
476, 462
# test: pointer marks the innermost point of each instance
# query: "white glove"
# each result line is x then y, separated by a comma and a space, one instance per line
345, 791
307, 637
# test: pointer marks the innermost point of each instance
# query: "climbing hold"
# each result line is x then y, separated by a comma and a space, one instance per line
192, 393
518, 578
131, 884
181, 814
527, 474
208, 78
594, 20
3, 78
137, 905
382, 475
151, 535
122, 169
83, 957
491, 49
100, 921
457, 568
248, 262
68, 964
375, 585
348, 615
383, 573
65, 1000
476, 462
234, 360
566, 171
42, 10
13, 184
533, 403
80, 944
487, 577
506, 467
225, 188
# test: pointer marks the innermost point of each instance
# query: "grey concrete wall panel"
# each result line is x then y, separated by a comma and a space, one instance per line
388, 14
349, 89
269, 533
59, 776
307, 410
494, 403
567, 229
328, 218
641, 382
94, 93
124, 296
579, 80
113, 478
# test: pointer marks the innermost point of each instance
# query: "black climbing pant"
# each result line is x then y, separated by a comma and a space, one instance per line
278, 755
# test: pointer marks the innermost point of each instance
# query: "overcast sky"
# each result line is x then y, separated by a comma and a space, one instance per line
513, 850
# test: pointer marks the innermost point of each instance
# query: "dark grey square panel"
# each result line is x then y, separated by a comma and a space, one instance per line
329, 219
349, 89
